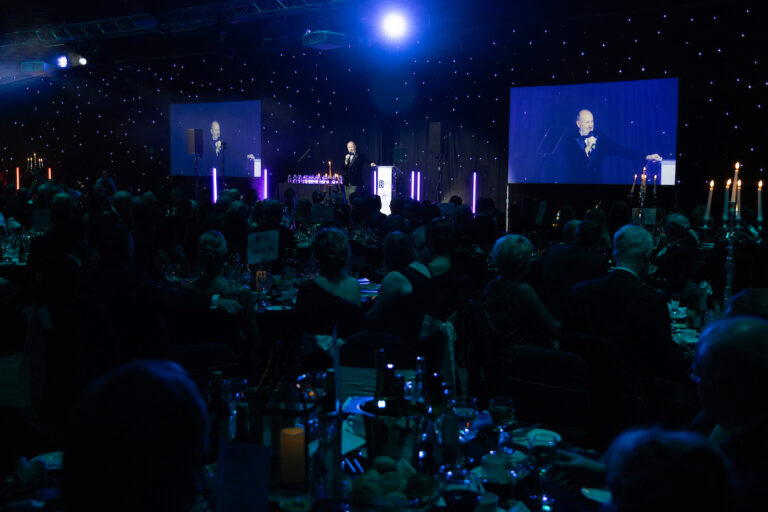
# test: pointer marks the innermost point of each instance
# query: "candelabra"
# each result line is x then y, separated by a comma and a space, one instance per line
730, 265
642, 196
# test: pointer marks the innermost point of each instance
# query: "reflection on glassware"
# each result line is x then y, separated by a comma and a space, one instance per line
542, 453
459, 488
465, 408
312, 386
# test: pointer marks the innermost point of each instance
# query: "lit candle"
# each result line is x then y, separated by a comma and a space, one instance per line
50, 175
18, 185
738, 200
631, 191
642, 180
707, 214
292, 456
725, 201
654, 185
735, 181
329, 168
760, 202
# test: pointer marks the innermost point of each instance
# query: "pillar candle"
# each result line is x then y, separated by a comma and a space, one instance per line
18, 185
735, 181
292, 456
707, 214
642, 180
725, 201
50, 175
654, 185
631, 191
738, 199
760, 202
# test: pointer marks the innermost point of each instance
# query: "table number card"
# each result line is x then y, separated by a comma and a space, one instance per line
262, 246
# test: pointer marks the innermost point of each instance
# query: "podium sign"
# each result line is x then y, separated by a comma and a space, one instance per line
385, 175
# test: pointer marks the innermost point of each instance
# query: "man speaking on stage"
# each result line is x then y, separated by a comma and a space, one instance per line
587, 149
356, 170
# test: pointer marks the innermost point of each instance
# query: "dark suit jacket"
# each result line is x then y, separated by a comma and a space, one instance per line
583, 169
123, 312
357, 171
562, 268
620, 308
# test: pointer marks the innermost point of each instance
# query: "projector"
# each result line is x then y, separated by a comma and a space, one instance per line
324, 40
33, 66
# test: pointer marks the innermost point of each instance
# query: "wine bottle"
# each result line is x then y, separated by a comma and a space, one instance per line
242, 420
378, 357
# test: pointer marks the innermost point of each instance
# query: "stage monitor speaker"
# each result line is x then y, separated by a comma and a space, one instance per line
435, 133
194, 141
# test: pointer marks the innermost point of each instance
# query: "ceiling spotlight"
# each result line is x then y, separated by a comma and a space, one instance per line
394, 25
82, 61
62, 61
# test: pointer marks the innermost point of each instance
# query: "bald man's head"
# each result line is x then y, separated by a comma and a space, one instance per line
215, 130
585, 122
731, 368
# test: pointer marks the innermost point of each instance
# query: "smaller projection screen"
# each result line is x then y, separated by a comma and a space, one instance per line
593, 133
231, 138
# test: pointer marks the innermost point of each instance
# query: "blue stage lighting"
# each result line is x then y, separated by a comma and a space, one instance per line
394, 25
62, 61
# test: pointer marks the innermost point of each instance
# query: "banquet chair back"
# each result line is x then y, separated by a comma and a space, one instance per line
201, 359
615, 405
549, 388
357, 371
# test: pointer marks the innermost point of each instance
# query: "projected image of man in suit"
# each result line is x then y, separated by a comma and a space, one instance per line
586, 151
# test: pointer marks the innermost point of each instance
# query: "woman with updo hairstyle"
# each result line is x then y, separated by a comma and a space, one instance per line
329, 300
516, 312
241, 331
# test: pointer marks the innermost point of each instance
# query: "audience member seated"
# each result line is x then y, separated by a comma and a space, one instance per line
136, 442
419, 235
320, 212
405, 293
440, 242
620, 308
119, 317
665, 472
240, 331
375, 217
677, 256
330, 302
515, 312
570, 265
303, 217
272, 219
749, 302
731, 373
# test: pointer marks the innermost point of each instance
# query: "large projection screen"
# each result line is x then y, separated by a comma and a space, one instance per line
630, 121
231, 138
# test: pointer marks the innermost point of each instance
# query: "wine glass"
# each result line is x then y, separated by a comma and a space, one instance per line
502, 411
465, 409
460, 488
542, 454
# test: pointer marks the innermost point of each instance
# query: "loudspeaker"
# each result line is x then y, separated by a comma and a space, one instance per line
194, 141
435, 133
